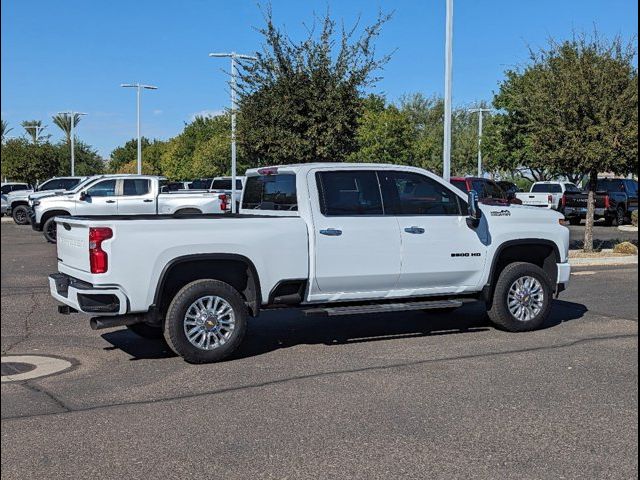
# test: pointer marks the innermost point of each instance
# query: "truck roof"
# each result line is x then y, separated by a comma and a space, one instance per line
297, 168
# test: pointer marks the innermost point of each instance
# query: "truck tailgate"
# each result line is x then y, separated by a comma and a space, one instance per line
534, 199
73, 243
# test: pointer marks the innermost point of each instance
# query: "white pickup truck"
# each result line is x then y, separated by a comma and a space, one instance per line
330, 239
547, 194
121, 195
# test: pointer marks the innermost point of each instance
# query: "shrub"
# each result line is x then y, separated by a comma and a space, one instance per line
626, 248
634, 218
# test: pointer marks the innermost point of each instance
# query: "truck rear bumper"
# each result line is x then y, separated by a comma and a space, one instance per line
86, 298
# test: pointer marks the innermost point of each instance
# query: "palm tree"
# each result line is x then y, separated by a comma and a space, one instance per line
33, 129
4, 130
64, 122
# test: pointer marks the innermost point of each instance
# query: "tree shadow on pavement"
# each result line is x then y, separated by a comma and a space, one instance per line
277, 329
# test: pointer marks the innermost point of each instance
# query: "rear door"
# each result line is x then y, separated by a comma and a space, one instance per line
137, 197
440, 253
100, 199
357, 247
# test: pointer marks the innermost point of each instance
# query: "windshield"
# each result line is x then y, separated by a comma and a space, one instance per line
83, 184
571, 188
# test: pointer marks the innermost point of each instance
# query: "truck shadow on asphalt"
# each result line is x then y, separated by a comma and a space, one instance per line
279, 329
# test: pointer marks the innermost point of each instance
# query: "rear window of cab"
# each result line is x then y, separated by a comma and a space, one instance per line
271, 192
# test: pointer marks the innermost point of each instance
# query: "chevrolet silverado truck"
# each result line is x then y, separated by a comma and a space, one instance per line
547, 194
616, 199
18, 200
121, 195
329, 239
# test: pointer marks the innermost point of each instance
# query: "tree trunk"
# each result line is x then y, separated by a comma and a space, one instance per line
591, 206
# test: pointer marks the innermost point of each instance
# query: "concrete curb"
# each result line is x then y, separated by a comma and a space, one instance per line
627, 228
594, 261
6, 219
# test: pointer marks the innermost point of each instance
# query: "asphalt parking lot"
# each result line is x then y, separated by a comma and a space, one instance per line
412, 395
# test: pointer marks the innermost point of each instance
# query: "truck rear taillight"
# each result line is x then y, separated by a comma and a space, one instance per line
564, 200
224, 202
98, 258
607, 202
550, 199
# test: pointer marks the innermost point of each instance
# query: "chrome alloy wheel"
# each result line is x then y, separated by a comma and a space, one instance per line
525, 298
209, 322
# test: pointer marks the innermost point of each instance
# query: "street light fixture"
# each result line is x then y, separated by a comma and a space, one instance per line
72, 115
139, 87
234, 73
479, 111
448, 66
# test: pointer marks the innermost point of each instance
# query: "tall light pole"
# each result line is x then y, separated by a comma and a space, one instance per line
138, 88
448, 66
72, 139
234, 73
479, 111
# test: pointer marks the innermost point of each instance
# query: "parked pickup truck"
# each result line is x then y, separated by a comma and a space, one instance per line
18, 200
220, 185
547, 194
616, 199
122, 195
330, 239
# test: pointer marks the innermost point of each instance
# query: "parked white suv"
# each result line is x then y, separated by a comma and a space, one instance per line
331, 239
122, 195
18, 199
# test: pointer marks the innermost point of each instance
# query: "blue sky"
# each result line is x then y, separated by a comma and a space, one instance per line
74, 54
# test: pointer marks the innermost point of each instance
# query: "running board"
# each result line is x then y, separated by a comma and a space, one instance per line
382, 308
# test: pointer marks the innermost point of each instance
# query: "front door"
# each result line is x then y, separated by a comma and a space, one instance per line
100, 199
357, 247
440, 253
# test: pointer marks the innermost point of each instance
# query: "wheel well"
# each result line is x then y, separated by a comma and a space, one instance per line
188, 211
19, 203
53, 213
234, 270
544, 255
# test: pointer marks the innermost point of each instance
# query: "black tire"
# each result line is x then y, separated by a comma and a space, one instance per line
620, 217
174, 327
574, 221
50, 229
20, 215
145, 330
499, 312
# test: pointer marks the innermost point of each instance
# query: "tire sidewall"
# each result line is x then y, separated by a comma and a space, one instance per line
20, 208
45, 230
500, 309
174, 321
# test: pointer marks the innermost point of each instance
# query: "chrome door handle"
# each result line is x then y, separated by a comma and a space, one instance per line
110, 201
414, 230
332, 232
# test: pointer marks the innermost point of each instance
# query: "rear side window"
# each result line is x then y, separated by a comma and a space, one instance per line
347, 193
407, 193
271, 192
494, 191
571, 188
225, 184
546, 188
106, 188
138, 186
201, 184
479, 187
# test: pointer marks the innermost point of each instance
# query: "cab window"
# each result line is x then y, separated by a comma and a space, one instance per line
106, 188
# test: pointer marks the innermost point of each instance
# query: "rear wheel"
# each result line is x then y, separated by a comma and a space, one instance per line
522, 298
20, 215
206, 321
50, 230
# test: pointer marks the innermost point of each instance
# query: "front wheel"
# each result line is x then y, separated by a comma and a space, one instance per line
206, 321
20, 215
522, 298
50, 230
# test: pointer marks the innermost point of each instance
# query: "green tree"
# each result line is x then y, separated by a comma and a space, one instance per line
573, 110
4, 129
29, 162
125, 154
300, 101
64, 121
202, 149
34, 130
87, 160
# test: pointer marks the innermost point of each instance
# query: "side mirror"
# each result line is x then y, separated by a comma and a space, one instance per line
83, 196
473, 220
